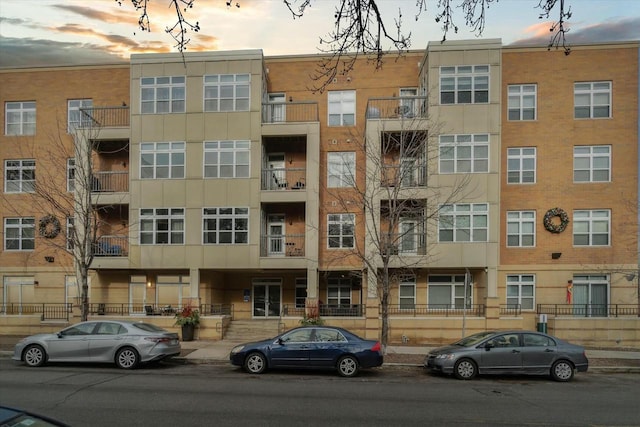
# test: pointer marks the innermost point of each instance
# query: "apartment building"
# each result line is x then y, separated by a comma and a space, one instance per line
488, 185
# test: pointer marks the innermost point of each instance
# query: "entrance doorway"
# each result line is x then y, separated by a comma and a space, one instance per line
275, 235
267, 297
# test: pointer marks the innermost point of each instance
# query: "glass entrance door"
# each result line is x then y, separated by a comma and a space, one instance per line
266, 298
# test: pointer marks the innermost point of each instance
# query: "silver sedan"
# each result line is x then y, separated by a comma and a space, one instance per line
509, 352
124, 343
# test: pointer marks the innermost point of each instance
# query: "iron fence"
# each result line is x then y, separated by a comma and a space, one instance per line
443, 310
47, 311
589, 310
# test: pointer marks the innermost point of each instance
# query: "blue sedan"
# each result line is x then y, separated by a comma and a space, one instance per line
320, 347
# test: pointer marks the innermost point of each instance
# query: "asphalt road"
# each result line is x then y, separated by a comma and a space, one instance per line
195, 395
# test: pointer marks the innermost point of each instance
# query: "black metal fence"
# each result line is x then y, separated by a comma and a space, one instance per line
443, 310
589, 310
47, 311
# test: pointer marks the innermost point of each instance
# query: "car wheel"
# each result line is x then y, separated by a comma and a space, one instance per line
34, 356
465, 369
348, 366
127, 358
562, 370
255, 363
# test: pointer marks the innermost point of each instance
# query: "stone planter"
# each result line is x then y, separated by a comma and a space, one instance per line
187, 332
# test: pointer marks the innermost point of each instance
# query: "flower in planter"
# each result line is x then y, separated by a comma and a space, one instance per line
188, 316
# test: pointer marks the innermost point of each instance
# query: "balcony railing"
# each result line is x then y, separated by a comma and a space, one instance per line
47, 311
589, 310
282, 245
405, 244
441, 310
110, 182
104, 117
395, 175
290, 112
405, 107
344, 310
510, 309
284, 179
111, 246
129, 309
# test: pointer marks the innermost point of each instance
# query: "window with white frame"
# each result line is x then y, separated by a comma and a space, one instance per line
465, 222
19, 176
75, 117
341, 228
522, 102
521, 229
161, 226
71, 230
464, 84
159, 160
341, 169
225, 226
592, 100
592, 163
71, 175
521, 165
20, 118
301, 292
227, 159
19, 234
448, 291
339, 291
227, 92
521, 291
591, 227
407, 292
162, 95
342, 107
464, 153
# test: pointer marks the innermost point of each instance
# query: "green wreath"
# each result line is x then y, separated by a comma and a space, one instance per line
49, 226
552, 226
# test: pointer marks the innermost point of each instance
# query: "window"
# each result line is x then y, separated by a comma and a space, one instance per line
592, 163
534, 340
464, 153
591, 227
19, 234
464, 84
339, 291
448, 291
409, 104
590, 295
160, 160
520, 291
162, 95
592, 100
521, 229
20, 176
464, 223
341, 230
162, 226
227, 159
521, 165
225, 226
227, 92
298, 335
71, 175
301, 292
407, 292
71, 230
341, 167
342, 108
20, 118
75, 117
522, 102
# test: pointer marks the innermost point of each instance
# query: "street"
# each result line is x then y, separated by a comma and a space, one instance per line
191, 395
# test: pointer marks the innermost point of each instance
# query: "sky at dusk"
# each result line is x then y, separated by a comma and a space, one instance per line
57, 32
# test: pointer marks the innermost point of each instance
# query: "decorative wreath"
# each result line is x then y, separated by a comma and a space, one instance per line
552, 226
49, 226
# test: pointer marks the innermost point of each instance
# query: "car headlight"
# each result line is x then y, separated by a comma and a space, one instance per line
237, 349
446, 356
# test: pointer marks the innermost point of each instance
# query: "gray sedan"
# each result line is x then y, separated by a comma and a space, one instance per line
124, 343
509, 352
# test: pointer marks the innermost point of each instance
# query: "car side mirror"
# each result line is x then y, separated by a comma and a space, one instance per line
489, 345
59, 334
280, 341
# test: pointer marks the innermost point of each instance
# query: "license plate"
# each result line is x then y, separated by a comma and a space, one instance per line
174, 342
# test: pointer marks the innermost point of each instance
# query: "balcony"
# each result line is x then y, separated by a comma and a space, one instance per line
282, 245
290, 112
110, 182
410, 174
283, 179
111, 246
405, 107
102, 117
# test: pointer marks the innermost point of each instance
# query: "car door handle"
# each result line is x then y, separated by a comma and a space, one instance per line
548, 350
515, 351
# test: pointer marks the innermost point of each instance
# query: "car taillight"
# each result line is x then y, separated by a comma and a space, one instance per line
158, 340
376, 347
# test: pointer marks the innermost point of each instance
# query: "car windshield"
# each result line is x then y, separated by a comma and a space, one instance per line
148, 327
472, 340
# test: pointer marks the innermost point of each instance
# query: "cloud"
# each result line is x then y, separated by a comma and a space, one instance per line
608, 31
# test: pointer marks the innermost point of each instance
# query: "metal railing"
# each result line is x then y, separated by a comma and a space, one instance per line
113, 246
396, 175
589, 310
216, 309
290, 112
282, 245
110, 182
104, 117
47, 311
129, 309
284, 179
404, 244
404, 107
510, 309
446, 310
344, 310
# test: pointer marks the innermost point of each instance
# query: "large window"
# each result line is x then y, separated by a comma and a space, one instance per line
590, 295
464, 84
521, 228
19, 176
592, 100
407, 292
522, 102
592, 163
227, 159
19, 234
342, 108
464, 223
20, 118
160, 160
591, 227
227, 92
75, 117
339, 291
341, 169
162, 95
71, 175
341, 230
521, 165
464, 153
162, 226
448, 291
521, 291
225, 226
